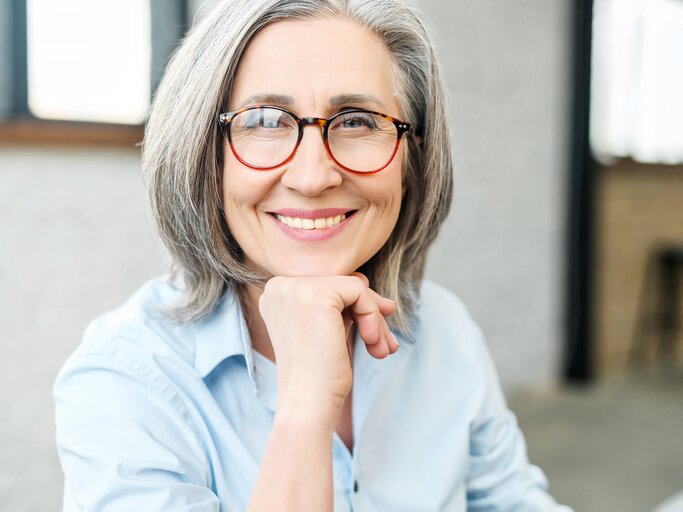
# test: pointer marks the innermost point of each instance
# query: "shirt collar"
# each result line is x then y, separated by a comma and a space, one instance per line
222, 334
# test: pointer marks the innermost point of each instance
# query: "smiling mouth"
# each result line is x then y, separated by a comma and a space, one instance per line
306, 223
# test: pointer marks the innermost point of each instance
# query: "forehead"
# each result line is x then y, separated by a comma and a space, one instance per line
313, 61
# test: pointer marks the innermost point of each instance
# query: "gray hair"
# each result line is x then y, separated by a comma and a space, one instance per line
183, 149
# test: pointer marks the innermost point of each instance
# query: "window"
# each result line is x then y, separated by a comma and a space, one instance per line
79, 68
637, 79
89, 61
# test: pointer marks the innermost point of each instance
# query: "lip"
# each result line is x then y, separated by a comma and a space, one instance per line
312, 235
312, 214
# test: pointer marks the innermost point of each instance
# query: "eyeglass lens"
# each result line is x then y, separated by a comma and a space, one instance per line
267, 137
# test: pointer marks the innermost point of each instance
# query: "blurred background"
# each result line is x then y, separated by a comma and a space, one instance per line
565, 239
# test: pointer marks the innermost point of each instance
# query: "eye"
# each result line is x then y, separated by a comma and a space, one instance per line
356, 121
271, 121
265, 119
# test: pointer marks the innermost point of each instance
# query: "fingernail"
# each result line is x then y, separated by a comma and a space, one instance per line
393, 336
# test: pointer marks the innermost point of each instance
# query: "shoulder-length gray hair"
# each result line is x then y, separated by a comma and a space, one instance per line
183, 149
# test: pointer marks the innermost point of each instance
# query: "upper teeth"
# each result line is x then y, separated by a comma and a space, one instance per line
321, 223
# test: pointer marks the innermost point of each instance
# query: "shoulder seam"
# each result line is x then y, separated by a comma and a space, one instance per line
155, 380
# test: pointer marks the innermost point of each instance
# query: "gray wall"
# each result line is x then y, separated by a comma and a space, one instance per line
75, 238
502, 247
74, 242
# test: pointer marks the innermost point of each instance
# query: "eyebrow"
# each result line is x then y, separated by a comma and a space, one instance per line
277, 99
340, 99
344, 99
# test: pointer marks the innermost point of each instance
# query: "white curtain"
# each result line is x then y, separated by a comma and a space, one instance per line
637, 80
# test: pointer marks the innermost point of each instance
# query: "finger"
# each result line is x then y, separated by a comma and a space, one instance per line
383, 346
381, 349
371, 332
394, 344
362, 277
389, 344
386, 306
371, 324
362, 304
354, 293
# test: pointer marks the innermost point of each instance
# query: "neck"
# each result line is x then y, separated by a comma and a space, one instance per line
260, 340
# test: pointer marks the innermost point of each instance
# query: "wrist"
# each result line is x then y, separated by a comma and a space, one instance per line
309, 411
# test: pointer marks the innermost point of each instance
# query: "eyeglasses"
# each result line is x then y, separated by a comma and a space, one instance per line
358, 140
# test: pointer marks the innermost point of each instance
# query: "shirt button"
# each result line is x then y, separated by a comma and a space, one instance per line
355, 486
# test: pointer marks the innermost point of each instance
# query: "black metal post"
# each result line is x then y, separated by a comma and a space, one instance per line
578, 365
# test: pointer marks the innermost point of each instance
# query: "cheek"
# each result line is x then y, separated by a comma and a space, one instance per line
240, 200
392, 187
391, 199
232, 174
242, 188
396, 191
384, 195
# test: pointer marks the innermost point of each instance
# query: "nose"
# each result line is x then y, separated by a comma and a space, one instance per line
312, 171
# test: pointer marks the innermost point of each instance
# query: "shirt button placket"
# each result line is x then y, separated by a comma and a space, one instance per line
356, 498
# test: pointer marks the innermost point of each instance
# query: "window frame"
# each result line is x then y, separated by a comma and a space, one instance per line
170, 21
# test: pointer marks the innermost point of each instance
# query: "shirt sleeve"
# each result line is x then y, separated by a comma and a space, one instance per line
124, 441
500, 476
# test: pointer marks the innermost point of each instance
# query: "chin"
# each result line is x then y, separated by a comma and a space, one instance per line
309, 267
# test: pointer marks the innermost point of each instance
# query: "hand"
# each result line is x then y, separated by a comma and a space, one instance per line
309, 320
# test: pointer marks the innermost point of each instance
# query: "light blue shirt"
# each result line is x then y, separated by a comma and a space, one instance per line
155, 416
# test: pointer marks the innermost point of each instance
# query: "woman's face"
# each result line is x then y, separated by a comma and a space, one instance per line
307, 67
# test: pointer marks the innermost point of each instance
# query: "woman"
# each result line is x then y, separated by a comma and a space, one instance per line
298, 165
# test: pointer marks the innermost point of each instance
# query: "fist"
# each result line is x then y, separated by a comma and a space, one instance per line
309, 322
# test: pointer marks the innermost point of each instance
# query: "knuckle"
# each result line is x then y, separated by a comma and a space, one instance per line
273, 285
362, 277
308, 293
288, 290
262, 304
